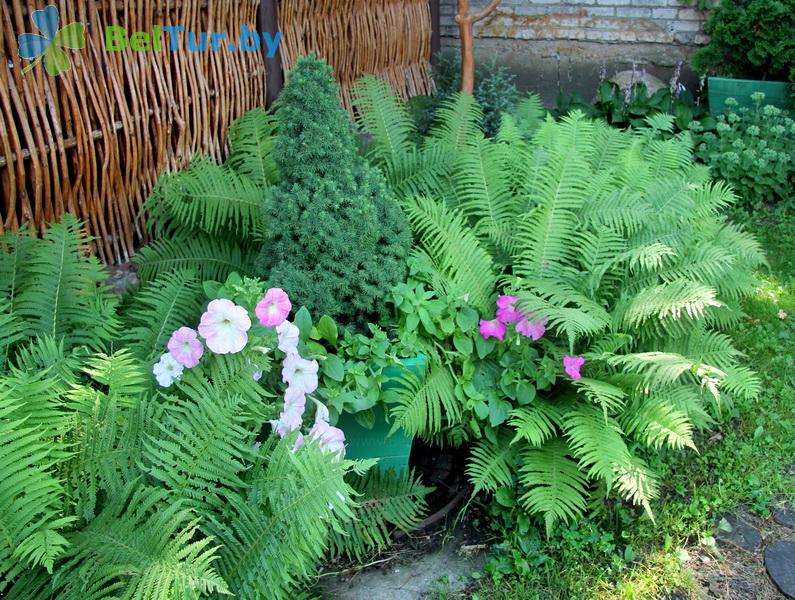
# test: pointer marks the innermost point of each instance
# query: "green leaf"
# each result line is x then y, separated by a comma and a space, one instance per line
334, 367
365, 418
484, 346
481, 409
525, 392
498, 411
212, 289
467, 319
505, 497
327, 329
462, 343
304, 322
71, 36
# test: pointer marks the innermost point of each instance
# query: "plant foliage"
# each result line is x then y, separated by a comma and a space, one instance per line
616, 244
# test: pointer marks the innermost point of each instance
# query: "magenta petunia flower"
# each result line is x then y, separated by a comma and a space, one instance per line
273, 309
288, 335
185, 347
330, 438
506, 309
572, 365
167, 370
300, 374
492, 328
224, 326
534, 329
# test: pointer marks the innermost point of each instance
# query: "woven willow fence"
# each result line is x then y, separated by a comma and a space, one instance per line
391, 38
93, 140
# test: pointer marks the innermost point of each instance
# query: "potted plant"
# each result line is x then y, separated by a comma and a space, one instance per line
359, 378
751, 49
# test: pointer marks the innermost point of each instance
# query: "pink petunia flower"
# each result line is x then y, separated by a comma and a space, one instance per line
300, 374
492, 328
288, 335
572, 365
299, 441
273, 309
534, 329
224, 326
167, 370
294, 398
289, 420
506, 309
330, 438
185, 347
256, 375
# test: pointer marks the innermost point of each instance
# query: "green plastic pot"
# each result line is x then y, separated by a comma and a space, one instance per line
721, 88
392, 451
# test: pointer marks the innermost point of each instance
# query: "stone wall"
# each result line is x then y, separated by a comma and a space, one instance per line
568, 44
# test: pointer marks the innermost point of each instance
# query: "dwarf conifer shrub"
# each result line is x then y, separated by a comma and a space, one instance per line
341, 240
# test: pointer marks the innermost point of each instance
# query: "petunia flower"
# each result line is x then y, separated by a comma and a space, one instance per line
167, 370
273, 309
299, 441
506, 309
185, 347
492, 328
300, 374
330, 438
572, 365
289, 420
534, 329
294, 398
288, 337
224, 326
256, 375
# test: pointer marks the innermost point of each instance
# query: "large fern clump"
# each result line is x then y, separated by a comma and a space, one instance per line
339, 240
615, 245
52, 287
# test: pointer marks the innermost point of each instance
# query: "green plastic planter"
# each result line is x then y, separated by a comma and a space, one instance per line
393, 451
720, 88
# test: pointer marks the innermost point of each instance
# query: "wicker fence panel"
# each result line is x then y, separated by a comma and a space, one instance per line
390, 38
93, 140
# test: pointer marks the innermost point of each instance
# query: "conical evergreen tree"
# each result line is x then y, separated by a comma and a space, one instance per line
338, 240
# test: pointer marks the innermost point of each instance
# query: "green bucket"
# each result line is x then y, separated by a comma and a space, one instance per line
721, 88
360, 443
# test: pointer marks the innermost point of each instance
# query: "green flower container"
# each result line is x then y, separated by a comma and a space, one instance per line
393, 452
721, 88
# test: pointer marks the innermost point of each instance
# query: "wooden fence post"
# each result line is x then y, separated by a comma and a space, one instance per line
436, 33
268, 17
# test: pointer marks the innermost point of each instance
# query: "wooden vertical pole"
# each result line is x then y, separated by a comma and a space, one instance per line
268, 21
436, 30
466, 22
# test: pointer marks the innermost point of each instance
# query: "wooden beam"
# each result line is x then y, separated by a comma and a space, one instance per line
268, 21
436, 30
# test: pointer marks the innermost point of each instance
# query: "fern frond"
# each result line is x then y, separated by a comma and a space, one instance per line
386, 502
464, 268
63, 293
556, 489
596, 441
31, 498
491, 465
273, 540
251, 138
535, 423
211, 257
457, 122
141, 546
159, 308
382, 115
206, 198
423, 407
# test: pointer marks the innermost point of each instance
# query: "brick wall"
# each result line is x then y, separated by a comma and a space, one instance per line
607, 21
